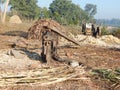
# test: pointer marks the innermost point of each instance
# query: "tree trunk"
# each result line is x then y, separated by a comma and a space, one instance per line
5, 10
0, 10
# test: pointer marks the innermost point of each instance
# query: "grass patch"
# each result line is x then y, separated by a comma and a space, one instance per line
112, 76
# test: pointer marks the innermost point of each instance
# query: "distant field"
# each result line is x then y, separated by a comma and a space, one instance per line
8, 27
14, 27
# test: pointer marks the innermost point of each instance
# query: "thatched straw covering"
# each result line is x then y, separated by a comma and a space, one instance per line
35, 31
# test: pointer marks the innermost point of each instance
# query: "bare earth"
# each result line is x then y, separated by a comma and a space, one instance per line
92, 57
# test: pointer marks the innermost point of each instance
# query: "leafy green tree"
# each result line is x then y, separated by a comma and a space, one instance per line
91, 9
25, 8
58, 9
44, 13
66, 12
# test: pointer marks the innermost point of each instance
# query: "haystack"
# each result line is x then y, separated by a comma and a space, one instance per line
15, 19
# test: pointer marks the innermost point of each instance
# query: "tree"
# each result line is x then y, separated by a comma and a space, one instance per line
44, 12
1, 9
3, 17
59, 9
5, 10
66, 12
25, 8
91, 9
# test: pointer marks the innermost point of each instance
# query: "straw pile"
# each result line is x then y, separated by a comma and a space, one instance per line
15, 19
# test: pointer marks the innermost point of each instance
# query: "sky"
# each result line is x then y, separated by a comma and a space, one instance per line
106, 9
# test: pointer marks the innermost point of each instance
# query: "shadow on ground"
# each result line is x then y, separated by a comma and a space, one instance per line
16, 33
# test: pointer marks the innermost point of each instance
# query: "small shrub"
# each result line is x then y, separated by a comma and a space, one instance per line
104, 31
116, 32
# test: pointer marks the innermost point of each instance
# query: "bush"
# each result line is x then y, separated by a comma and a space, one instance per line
104, 31
116, 32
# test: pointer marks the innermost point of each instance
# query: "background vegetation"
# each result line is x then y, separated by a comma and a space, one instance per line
109, 22
63, 11
116, 32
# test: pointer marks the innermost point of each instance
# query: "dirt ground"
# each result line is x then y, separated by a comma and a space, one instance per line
92, 57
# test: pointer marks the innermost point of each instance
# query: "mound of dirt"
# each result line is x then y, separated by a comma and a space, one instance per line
15, 19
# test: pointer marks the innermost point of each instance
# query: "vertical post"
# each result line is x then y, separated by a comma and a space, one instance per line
48, 53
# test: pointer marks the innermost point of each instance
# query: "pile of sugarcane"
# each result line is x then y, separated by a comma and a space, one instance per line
35, 31
41, 76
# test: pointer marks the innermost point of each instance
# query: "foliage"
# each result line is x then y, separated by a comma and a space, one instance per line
109, 22
109, 75
63, 11
91, 9
66, 12
44, 13
25, 8
116, 32
104, 31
